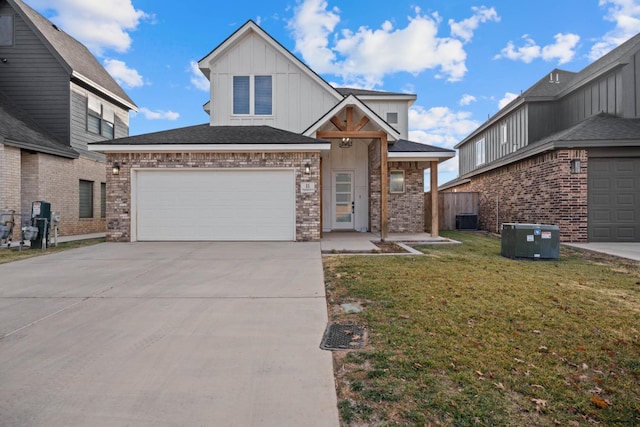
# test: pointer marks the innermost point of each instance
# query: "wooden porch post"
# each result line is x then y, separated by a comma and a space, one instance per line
434, 199
384, 208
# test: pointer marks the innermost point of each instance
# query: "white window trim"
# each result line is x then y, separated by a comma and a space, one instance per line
480, 152
252, 95
101, 117
404, 183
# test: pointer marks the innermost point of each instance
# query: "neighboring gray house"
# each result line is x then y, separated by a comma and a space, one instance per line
285, 156
565, 152
55, 98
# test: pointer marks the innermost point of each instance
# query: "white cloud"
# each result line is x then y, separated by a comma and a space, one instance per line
100, 25
311, 26
363, 57
467, 99
506, 99
563, 50
626, 16
125, 76
198, 80
441, 125
158, 114
465, 28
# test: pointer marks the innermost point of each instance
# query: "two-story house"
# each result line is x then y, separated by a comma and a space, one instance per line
285, 156
55, 98
564, 152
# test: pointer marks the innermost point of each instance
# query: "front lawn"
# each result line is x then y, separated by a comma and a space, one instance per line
463, 336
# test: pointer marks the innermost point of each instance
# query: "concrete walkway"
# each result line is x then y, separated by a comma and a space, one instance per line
362, 242
166, 334
624, 250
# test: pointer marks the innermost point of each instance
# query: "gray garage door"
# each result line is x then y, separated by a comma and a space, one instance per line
614, 199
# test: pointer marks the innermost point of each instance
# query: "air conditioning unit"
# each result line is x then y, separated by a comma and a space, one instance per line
530, 241
467, 221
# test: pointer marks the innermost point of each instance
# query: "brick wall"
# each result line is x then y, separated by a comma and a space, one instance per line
539, 190
9, 178
406, 210
56, 180
119, 186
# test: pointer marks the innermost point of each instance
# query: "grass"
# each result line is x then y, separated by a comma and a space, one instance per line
13, 254
465, 337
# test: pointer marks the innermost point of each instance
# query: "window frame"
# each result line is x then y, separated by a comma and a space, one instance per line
106, 127
480, 152
392, 113
391, 182
82, 214
253, 96
12, 31
103, 200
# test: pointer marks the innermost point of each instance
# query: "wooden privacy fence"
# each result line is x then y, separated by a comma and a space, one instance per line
450, 205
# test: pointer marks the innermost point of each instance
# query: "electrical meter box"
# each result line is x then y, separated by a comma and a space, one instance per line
530, 241
40, 217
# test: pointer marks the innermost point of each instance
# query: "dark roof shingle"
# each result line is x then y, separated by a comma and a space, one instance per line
76, 56
405, 146
20, 130
206, 134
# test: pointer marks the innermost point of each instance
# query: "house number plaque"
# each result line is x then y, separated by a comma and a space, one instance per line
307, 187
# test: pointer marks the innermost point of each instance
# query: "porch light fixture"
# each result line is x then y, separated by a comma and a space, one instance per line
307, 169
115, 170
574, 166
346, 143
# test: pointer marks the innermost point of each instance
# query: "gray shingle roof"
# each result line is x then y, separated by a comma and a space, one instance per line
206, 134
551, 85
404, 146
346, 91
20, 130
71, 52
601, 127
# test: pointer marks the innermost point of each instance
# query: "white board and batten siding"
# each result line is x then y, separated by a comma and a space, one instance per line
213, 205
298, 100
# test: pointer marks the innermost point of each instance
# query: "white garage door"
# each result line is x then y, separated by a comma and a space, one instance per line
214, 205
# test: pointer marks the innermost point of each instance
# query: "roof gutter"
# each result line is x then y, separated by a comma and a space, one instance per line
110, 94
210, 148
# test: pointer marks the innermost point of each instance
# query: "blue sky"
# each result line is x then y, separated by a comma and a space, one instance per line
463, 58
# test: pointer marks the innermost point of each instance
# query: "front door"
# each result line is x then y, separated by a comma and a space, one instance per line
343, 206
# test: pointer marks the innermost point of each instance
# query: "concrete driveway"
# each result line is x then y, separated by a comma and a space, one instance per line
166, 334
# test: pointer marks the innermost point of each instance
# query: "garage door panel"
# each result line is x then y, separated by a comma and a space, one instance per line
614, 205
216, 205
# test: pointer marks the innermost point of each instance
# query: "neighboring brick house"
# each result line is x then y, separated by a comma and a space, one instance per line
285, 156
565, 152
55, 98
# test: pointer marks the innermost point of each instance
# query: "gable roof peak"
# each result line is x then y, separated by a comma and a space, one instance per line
252, 26
74, 56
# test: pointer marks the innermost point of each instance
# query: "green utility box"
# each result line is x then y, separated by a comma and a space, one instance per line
530, 241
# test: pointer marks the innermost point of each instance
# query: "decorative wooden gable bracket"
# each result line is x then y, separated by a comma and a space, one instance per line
349, 126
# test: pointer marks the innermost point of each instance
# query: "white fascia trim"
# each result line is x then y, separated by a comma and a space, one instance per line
420, 156
217, 148
103, 90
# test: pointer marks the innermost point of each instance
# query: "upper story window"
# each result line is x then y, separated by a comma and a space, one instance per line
6, 30
503, 133
100, 118
392, 118
253, 95
480, 159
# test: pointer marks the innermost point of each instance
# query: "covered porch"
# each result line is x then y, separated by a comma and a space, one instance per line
372, 180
